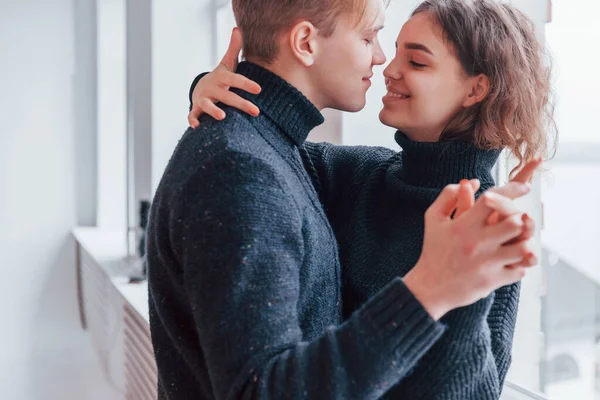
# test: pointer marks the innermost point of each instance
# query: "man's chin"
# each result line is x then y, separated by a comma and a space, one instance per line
349, 103
353, 107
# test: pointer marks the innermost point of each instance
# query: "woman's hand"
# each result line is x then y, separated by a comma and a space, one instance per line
524, 176
467, 190
466, 200
214, 87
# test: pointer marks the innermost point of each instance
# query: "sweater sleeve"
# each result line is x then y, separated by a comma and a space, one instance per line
502, 320
341, 171
488, 352
193, 86
241, 249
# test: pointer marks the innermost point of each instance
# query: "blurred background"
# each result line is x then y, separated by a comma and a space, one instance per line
93, 100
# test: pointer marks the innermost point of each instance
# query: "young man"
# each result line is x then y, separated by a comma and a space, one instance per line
244, 275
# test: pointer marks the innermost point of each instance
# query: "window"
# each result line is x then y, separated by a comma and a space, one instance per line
562, 367
571, 200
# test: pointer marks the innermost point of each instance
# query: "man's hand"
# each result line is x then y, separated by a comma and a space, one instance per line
214, 87
464, 258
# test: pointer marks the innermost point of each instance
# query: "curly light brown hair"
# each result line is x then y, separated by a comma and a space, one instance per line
500, 42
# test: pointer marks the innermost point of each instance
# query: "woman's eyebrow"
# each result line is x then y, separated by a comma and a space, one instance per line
417, 46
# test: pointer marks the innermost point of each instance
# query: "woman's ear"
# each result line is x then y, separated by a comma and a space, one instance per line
303, 43
480, 88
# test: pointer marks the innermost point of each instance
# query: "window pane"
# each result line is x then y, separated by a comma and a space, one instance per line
571, 238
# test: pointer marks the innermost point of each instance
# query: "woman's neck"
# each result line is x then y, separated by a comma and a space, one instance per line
439, 163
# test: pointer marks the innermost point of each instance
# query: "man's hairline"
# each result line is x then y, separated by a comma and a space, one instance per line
371, 26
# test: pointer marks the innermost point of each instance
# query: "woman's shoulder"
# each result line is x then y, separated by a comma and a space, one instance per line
355, 158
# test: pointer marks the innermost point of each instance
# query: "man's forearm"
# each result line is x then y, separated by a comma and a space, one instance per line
363, 358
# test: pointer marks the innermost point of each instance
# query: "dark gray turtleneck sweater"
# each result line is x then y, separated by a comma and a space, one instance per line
375, 200
244, 274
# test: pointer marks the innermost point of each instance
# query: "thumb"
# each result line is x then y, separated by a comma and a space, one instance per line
512, 190
475, 184
445, 204
466, 198
230, 60
527, 171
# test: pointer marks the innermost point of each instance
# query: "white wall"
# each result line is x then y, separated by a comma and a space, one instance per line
112, 115
47, 173
181, 49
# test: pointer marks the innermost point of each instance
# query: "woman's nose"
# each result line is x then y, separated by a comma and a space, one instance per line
392, 72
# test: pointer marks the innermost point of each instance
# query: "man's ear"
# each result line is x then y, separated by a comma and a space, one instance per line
303, 43
480, 88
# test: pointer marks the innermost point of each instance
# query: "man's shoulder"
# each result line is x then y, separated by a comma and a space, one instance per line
229, 151
224, 135
227, 184
214, 140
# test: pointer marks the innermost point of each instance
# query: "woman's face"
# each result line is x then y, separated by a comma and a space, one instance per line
426, 84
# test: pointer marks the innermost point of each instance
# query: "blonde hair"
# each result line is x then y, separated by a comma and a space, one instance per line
261, 21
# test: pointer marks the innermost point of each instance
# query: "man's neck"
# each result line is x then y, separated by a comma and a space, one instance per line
281, 102
296, 77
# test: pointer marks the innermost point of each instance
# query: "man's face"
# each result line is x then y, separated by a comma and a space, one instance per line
344, 66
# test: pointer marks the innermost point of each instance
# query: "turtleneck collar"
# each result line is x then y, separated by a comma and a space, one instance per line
437, 164
285, 105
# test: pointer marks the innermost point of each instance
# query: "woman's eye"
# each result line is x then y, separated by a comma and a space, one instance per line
416, 64
369, 41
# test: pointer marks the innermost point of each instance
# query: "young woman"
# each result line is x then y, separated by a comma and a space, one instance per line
468, 80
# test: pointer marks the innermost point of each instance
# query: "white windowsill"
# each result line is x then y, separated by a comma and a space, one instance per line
109, 250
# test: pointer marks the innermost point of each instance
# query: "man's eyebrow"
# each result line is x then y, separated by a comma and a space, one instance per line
375, 29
